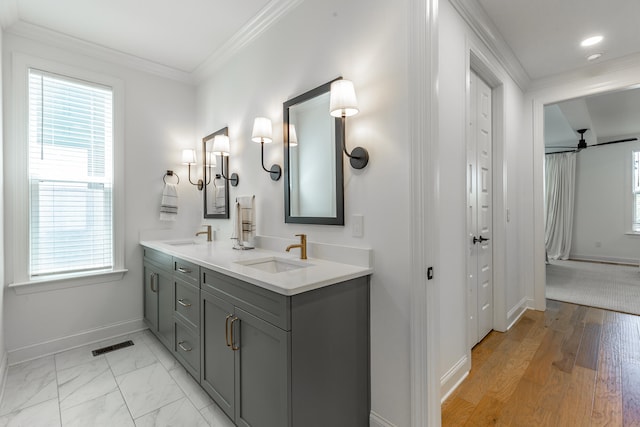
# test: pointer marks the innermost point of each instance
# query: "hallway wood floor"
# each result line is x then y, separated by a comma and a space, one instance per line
569, 366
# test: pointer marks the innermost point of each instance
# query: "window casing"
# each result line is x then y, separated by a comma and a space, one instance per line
94, 179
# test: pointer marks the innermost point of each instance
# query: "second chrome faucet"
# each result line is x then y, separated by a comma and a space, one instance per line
302, 245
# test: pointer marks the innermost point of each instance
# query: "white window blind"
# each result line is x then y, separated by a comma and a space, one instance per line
70, 175
636, 191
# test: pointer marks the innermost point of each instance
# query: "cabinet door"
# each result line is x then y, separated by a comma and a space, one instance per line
150, 296
164, 283
217, 373
262, 372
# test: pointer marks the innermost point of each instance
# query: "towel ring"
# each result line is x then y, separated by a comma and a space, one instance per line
170, 173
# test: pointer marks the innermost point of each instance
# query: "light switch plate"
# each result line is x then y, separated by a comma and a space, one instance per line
357, 226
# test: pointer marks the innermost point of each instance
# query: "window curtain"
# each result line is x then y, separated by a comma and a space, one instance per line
560, 177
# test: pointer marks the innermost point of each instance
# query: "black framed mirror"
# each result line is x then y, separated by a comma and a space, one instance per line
313, 171
216, 188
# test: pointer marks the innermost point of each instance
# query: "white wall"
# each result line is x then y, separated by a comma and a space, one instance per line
456, 39
3, 359
159, 122
603, 204
364, 41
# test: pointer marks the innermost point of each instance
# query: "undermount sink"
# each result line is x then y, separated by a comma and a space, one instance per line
183, 242
273, 264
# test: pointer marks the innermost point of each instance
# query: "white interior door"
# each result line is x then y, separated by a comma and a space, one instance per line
479, 214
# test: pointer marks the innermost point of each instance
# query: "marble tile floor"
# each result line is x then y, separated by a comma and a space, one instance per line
141, 385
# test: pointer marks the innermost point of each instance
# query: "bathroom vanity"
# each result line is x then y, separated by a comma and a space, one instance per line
275, 341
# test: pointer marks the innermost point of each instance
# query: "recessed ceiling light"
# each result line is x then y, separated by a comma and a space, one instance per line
593, 56
591, 41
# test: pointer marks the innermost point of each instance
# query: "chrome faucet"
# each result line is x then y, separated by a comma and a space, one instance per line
302, 245
208, 233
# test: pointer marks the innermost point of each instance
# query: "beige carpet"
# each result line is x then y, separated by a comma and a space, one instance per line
614, 287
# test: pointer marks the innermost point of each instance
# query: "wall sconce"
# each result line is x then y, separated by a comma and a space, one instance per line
262, 133
221, 148
343, 103
189, 158
293, 136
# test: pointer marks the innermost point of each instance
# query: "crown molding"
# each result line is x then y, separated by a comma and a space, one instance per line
476, 17
63, 41
257, 25
628, 65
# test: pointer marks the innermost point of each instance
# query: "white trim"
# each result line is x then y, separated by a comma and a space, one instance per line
376, 420
476, 17
256, 26
600, 258
17, 163
67, 281
63, 41
80, 339
605, 77
4, 365
423, 167
516, 312
454, 377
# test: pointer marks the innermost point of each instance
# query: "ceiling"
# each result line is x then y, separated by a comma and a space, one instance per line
545, 36
178, 34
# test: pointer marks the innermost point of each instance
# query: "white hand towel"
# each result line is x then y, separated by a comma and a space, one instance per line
169, 204
236, 225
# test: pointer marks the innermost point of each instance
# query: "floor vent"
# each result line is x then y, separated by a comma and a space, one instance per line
114, 347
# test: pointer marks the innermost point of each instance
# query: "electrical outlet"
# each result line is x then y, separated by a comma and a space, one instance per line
598, 244
357, 226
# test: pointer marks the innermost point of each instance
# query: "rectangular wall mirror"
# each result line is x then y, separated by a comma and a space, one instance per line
216, 188
313, 173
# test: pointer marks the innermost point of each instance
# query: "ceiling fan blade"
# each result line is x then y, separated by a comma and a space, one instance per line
614, 142
558, 152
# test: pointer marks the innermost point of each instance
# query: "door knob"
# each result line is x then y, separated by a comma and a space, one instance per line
479, 240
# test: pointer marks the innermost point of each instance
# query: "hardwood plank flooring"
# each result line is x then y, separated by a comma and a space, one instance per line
569, 366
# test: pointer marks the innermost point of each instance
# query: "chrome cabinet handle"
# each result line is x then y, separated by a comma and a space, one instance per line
226, 330
184, 270
183, 347
233, 346
184, 304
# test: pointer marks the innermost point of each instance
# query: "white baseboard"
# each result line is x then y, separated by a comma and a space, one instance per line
3, 374
598, 258
516, 312
454, 377
57, 345
376, 420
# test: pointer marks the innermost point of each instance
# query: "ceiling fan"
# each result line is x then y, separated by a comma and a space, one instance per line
582, 144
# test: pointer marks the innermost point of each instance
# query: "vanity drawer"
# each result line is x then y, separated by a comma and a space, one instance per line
162, 260
187, 349
187, 303
267, 305
187, 271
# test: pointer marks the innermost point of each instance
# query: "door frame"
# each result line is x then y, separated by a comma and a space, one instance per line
613, 76
479, 63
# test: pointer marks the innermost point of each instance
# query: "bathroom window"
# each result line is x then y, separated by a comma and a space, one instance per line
636, 192
70, 175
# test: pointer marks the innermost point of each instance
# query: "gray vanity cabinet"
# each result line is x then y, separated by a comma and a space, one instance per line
245, 359
158, 295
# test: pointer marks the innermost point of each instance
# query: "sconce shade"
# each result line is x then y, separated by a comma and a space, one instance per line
342, 101
293, 137
211, 159
262, 130
189, 157
220, 145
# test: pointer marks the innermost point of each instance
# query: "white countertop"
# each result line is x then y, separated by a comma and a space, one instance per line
221, 257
